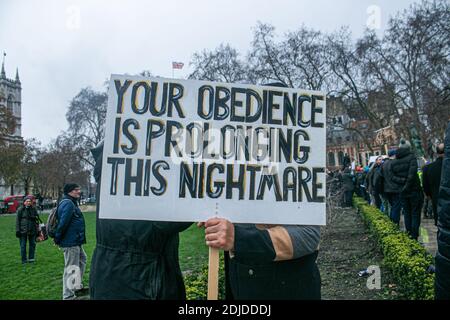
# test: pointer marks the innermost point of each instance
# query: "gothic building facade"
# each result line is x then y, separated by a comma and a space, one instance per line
347, 134
11, 100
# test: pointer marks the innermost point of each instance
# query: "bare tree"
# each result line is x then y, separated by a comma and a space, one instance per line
413, 59
86, 116
57, 165
10, 164
222, 64
297, 60
31, 151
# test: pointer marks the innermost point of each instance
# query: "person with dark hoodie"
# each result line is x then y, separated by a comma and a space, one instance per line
26, 219
135, 259
404, 173
442, 259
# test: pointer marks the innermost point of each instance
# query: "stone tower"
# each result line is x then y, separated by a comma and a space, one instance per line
11, 97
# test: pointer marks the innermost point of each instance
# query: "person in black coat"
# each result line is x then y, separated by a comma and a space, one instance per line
348, 187
26, 220
372, 181
442, 259
404, 173
135, 259
432, 179
391, 190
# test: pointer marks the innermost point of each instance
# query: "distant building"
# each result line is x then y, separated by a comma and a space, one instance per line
347, 133
11, 98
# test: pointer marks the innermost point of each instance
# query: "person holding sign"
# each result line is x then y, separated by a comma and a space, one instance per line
267, 261
135, 259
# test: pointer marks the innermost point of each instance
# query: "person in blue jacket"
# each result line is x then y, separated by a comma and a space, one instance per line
70, 235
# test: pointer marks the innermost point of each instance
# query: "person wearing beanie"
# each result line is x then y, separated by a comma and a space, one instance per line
405, 180
404, 144
26, 219
392, 153
70, 235
69, 187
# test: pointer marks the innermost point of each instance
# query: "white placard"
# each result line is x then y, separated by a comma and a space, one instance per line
187, 150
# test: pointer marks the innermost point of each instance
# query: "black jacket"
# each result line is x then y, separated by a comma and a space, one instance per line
404, 172
431, 180
442, 280
389, 185
377, 179
347, 182
135, 259
26, 220
262, 268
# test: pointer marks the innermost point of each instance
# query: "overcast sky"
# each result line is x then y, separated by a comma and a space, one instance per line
63, 46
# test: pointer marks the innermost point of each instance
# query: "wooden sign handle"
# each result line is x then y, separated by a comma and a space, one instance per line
213, 274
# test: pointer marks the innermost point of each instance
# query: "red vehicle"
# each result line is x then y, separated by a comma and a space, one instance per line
12, 203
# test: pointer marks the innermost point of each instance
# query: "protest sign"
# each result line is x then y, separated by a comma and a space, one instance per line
187, 150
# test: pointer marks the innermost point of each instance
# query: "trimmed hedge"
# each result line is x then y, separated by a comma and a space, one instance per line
196, 283
405, 257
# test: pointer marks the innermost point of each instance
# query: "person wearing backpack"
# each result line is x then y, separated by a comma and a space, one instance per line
26, 220
70, 236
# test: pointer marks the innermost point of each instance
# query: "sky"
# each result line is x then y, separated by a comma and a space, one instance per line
63, 46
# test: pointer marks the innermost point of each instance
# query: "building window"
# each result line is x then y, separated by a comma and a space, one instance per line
9, 104
341, 158
331, 161
347, 138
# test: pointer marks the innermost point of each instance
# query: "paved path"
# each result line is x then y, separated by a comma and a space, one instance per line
347, 248
427, 234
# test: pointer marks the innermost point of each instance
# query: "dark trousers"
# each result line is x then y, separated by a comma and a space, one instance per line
435, 213
412, 209
23, 247
378, 200
348, 195
396, 207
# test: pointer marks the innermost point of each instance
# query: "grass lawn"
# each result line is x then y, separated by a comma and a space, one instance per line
43, 279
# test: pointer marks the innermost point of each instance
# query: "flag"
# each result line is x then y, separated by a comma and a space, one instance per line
177, 65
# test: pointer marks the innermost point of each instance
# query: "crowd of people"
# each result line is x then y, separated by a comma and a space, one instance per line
396, 185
